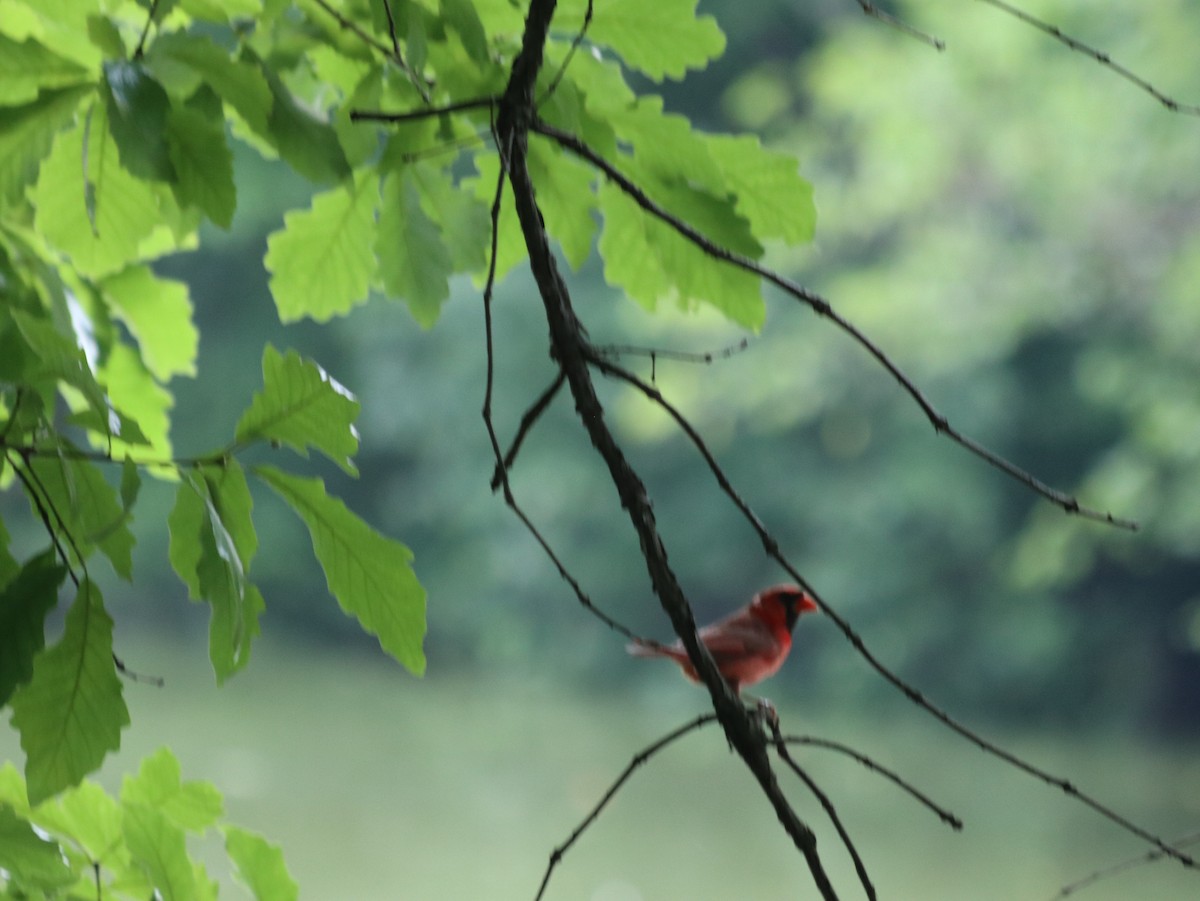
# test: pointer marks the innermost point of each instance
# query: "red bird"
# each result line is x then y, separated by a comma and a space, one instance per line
749, 644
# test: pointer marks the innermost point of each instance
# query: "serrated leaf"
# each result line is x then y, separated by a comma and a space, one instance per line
240, 83
82, 499
27, 67
368, 574
160, 851
71, 713
566, 198
302, 406
26, 135
29, 860
661, 39
24, 603
101, 223
653, 263
133, 391
137, 117
413, 260
88, 815
158, 312
212, 543
260, 866
464, 222
192, 806
322, 261
770, 192
308, 144
203, 163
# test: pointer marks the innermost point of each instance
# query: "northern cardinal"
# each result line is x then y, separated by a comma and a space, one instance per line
749, 644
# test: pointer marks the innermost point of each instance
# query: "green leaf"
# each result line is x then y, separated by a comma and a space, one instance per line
81, 498
29, 860
8, 566
302, 406
191, 60
184, 523
24, 603
26, 68
460, 15
652, 263
212, 543
308, 144
566, 196
192, 806
260, 865
369, 574
413, 259
26, 135
769, 190
465, 225
201, 158
159, 849
510, 245
71, 713
137, 117
158, 312
322, 261
134, 393
88, 815
663, 38
101, 223
57, 357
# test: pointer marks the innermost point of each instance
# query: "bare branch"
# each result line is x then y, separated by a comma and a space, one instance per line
771, 546
531, 416
822, 307
1098, 55
568, 346
1118, 868
638, 759
859, 867
874, 766
888, 19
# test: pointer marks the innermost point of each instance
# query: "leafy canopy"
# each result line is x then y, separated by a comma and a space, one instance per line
116, 123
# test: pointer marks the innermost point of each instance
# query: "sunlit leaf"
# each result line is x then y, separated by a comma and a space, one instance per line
661, 39
71, 713
193, 806
302, 406
369, 575
26, 135
27, 67
322, 261
260, 865
158, 311
159, 850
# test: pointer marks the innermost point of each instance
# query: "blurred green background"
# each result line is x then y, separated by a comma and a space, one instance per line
1020, 229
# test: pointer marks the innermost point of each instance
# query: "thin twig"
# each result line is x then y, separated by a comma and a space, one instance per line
503, 462
391, 20
859, 867
823, 308
639, 758
393, 53
536, 409
1118, 868
141, 44
359, 115
874, 766
1098, 55
771, 547
680, 356
562, 70
888, 19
